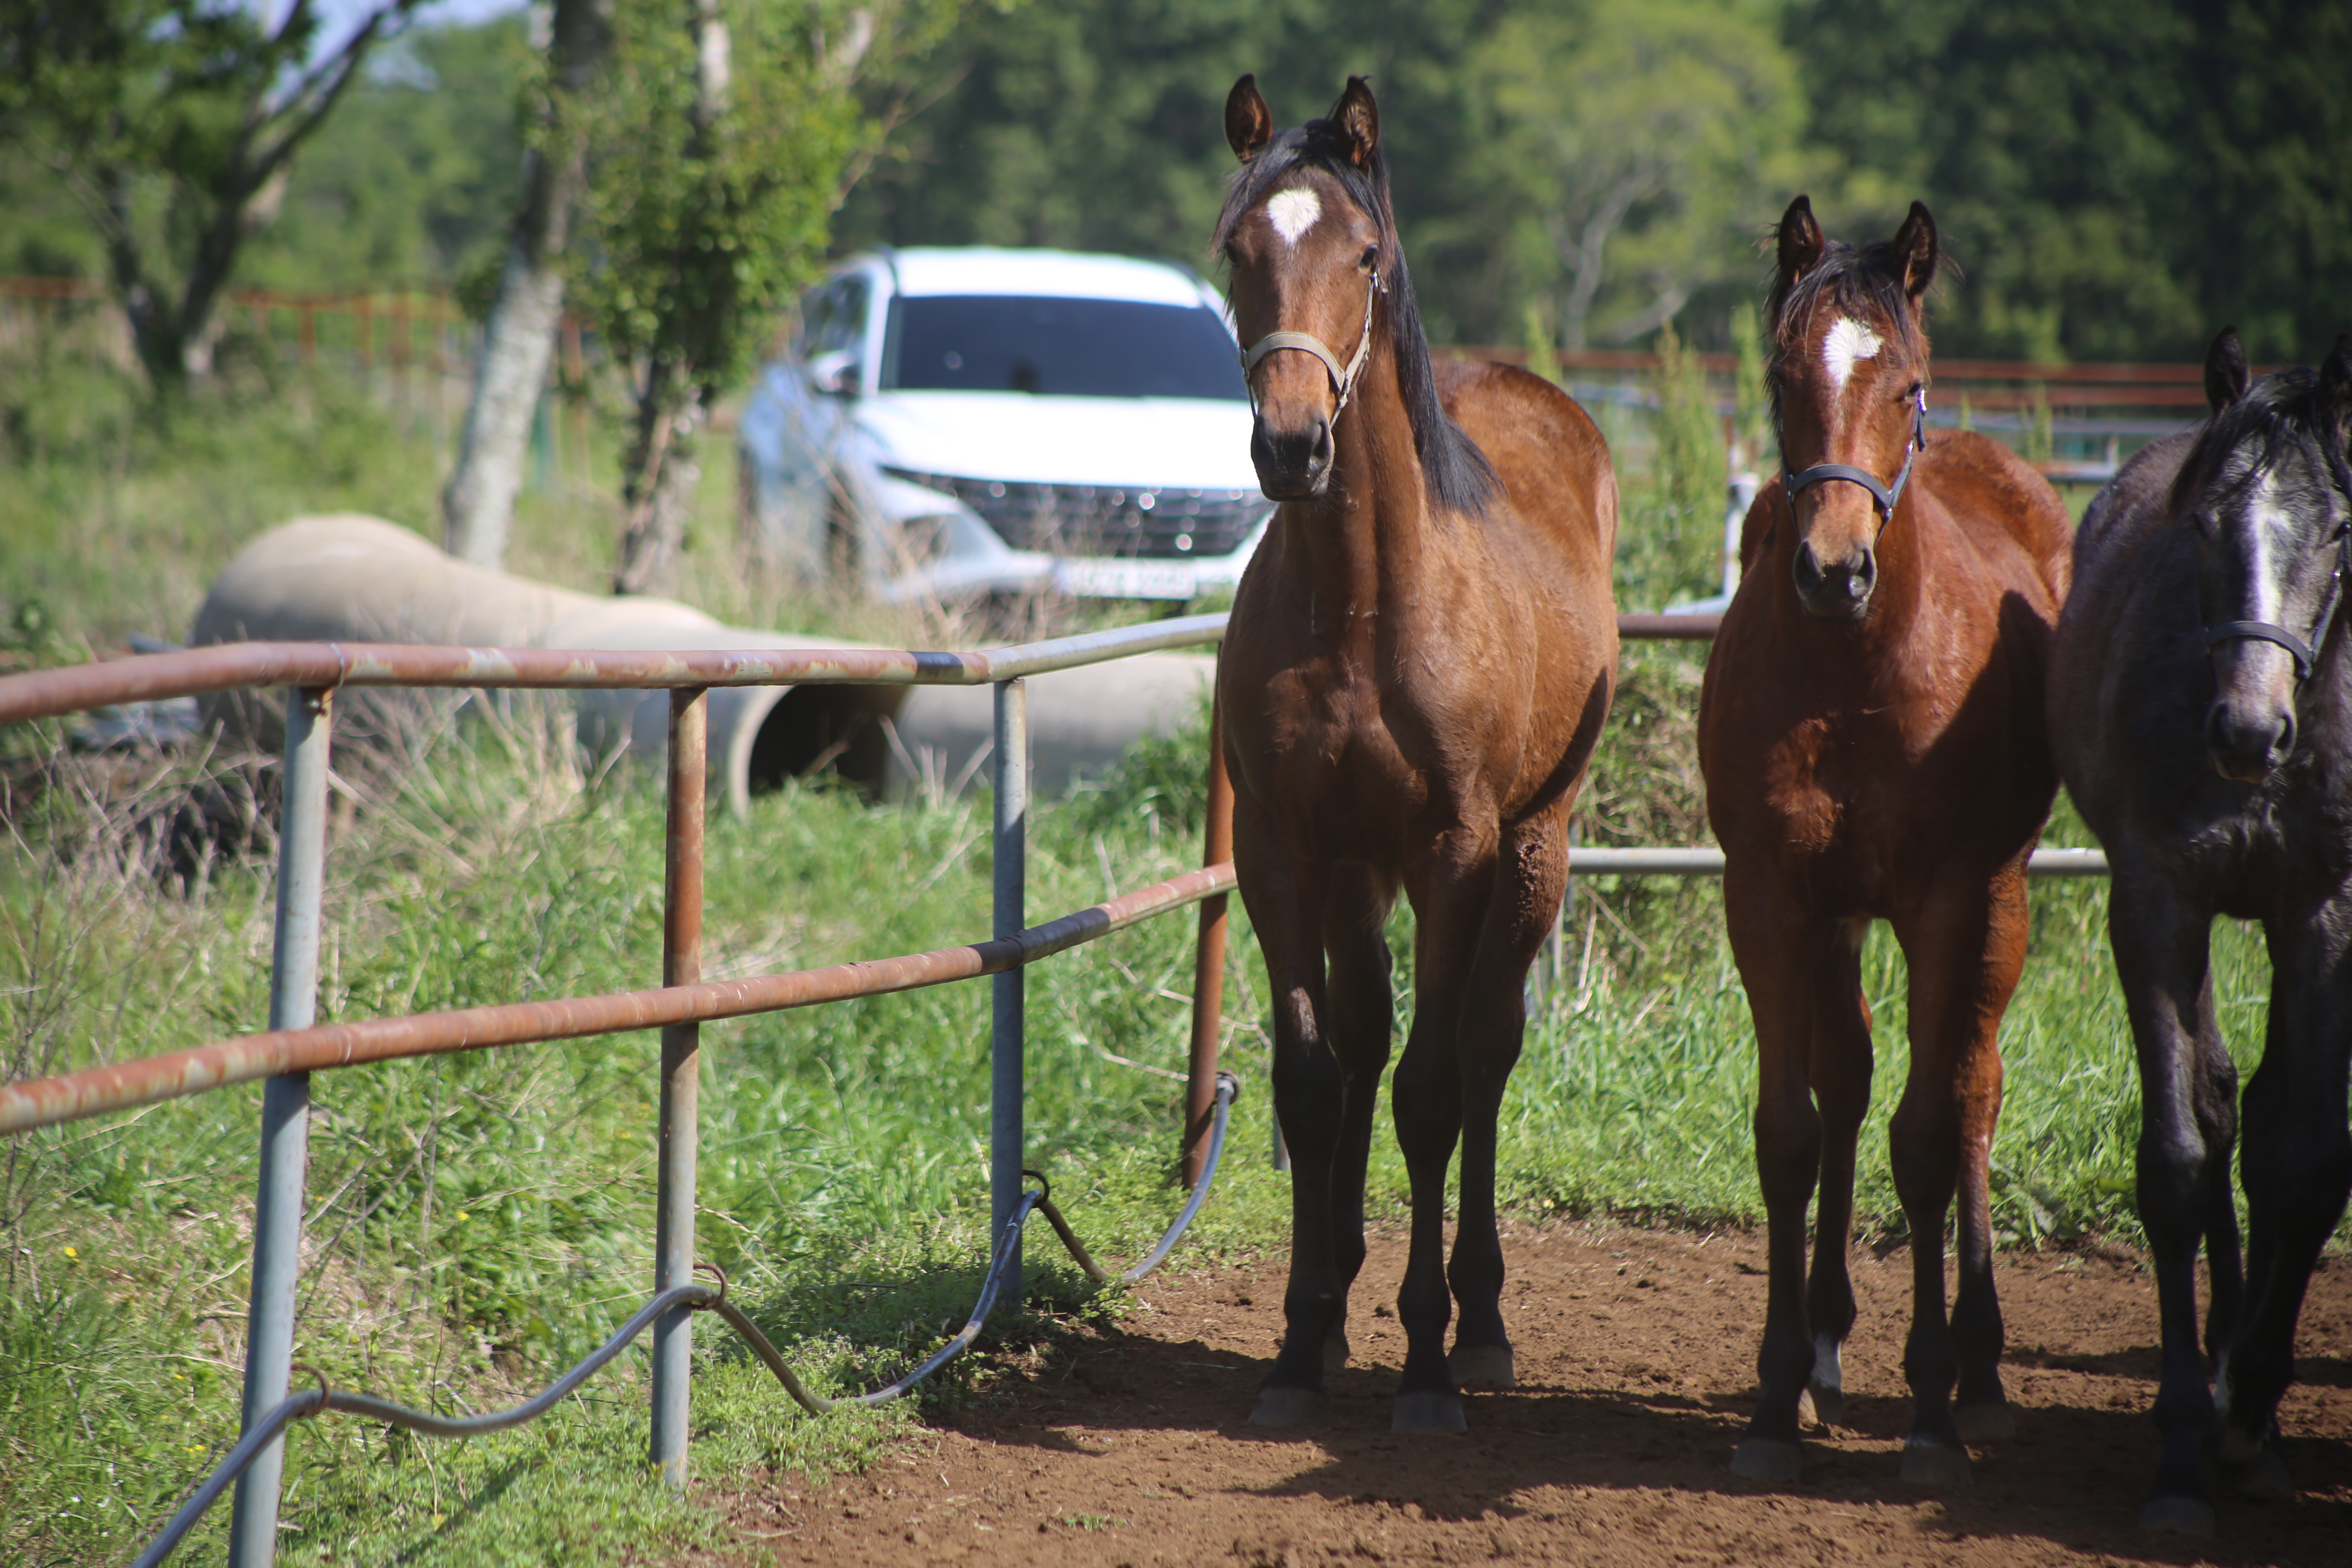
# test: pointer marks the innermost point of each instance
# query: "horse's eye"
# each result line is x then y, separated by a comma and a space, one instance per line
1370, 257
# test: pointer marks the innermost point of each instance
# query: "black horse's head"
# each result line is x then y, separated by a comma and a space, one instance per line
2267, 489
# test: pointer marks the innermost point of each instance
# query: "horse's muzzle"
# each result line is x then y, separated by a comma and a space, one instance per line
2248, 741
1292, 465
1834, 590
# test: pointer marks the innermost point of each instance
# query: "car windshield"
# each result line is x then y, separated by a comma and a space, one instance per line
1069, 348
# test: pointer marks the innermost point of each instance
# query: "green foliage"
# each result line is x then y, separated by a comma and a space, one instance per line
2119, 178
173, 124
1689, 468
413, 179
707, 211
1636, 145
1751, 413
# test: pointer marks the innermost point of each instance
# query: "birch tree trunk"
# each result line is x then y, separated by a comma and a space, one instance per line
518, 338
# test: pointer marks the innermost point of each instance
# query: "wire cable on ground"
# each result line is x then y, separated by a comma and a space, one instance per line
318, 1401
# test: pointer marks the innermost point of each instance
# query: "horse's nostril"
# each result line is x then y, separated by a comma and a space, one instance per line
2284, 742
1808, 570
1322, 450
1864, 575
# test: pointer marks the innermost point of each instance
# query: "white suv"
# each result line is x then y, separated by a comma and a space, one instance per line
970, 422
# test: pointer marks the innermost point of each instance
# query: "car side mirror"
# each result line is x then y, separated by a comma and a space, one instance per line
837, 374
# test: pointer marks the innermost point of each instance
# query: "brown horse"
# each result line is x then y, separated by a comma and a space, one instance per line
1420, 659
1871, 735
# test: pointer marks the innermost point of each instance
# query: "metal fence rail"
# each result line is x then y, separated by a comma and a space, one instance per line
293, 1047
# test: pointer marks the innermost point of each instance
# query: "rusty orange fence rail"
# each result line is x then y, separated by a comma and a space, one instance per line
294, 1046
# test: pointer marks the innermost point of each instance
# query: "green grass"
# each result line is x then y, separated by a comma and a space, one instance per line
478, 1221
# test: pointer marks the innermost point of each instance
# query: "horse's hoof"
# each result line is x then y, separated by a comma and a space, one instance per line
2180, 1515
1335, 1353
1766, 1459
1819, 1406
1990, 1422
1482, 1366
1291, 1407
1435, 1413
2265, 1481
1930, 1463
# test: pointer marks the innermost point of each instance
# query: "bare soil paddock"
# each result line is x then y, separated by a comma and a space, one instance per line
1635, 1360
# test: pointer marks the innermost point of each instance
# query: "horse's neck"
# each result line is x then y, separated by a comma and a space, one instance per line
1364, 537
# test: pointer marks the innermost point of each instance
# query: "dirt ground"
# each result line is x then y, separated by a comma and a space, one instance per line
1636, 1354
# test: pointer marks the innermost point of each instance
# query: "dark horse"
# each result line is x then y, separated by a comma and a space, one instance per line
1871, 732
2200, 706
1421, 656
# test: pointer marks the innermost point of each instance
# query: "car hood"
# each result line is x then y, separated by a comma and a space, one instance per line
1181, 443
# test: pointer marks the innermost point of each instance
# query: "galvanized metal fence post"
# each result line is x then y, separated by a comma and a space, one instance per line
285, 1114
1208, 964
681, 1046
1006, 1036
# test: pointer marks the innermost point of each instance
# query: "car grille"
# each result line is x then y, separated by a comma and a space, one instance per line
1170, 525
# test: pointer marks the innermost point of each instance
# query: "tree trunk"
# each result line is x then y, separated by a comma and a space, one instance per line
668, 467
518, 338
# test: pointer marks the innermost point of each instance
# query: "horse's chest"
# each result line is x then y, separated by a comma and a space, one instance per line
1859, 796
1324, 756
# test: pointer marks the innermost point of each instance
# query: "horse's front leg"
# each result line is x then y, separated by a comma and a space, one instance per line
1360, 1011
1965, 945
1842, 1068
2297, 1168
1449, 908
1283, 891
2163, 960
1530, 876
1781, 948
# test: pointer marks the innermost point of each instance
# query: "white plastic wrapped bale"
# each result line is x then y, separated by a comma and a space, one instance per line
352, 578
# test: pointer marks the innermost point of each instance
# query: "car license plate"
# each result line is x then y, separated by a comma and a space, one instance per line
1125, 579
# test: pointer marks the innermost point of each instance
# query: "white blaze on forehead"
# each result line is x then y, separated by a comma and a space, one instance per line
1293, 213
2269, 521
1847, 342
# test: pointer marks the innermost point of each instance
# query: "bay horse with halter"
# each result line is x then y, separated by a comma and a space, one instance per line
1870, 733
1420, 657
2200, 707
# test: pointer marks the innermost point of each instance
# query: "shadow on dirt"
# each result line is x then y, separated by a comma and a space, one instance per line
2072, 1478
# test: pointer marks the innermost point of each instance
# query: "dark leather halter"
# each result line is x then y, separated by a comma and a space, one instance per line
2305, 654
1886, 496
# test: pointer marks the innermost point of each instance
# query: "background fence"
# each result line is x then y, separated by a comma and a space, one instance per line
416, 348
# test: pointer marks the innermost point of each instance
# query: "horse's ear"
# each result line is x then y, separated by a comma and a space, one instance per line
2225, 370
2335, 392
1800, 240
1249, 123
1914, 251
1356, 119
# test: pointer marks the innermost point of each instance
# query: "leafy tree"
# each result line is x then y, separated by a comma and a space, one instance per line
1638, 146
173, 124
412, 180
720, 147
2118, 178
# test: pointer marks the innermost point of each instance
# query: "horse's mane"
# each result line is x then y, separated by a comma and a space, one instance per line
1852, 277
2279, 412
1455, 473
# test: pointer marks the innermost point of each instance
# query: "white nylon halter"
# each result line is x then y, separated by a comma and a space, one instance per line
1343, 377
